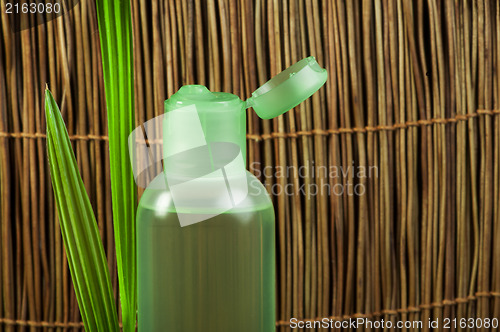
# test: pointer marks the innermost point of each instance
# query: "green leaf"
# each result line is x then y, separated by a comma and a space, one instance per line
115, 29
84, 249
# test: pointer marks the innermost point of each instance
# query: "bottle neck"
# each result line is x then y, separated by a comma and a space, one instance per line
203, 131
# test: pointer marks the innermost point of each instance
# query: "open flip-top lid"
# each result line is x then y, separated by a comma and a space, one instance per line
288, 89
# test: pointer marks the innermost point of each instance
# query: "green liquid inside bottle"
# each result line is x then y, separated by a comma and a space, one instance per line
217, 275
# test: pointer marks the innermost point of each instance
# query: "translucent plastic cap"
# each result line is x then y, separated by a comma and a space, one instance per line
288, 89
202, 132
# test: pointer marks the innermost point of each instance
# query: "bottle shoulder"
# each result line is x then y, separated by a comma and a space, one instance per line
158, 196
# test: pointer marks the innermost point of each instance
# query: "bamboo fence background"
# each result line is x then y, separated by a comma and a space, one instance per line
413, 90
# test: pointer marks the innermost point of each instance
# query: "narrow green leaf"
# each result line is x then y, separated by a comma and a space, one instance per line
86, 257
115, 29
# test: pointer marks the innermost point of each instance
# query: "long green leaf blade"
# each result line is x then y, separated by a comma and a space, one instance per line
115, 29
84, 249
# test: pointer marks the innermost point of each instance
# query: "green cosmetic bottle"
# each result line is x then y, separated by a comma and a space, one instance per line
205, 225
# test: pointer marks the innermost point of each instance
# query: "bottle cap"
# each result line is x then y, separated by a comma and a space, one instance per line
288, 89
